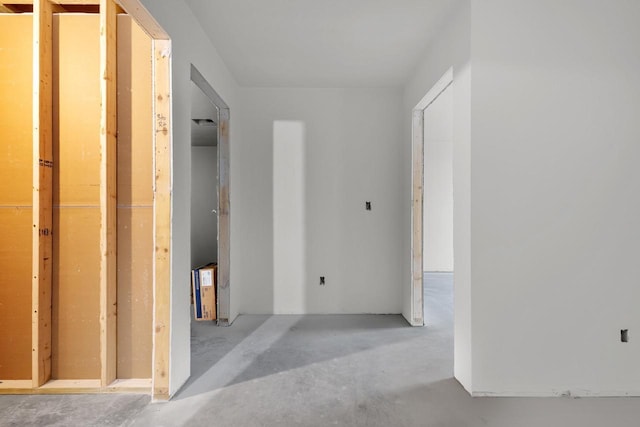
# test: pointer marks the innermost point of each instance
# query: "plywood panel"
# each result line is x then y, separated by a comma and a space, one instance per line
76, 294
135, 115
15, 109
135, 201
135, 292
76, 216
77, 116
15, 293
15, 196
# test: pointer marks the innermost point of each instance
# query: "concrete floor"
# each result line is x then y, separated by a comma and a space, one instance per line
358, 370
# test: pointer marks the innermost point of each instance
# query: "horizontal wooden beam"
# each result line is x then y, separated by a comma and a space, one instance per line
61, 2
55, 8
76, 387
14, 384
144, 19
58, 6
71, 384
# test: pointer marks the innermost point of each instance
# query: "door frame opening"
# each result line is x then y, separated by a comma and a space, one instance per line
417, 196
224, 240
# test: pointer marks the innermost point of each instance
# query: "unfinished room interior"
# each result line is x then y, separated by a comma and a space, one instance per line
311, 213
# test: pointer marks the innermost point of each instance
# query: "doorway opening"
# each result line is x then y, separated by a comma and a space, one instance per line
432, 195
210, 193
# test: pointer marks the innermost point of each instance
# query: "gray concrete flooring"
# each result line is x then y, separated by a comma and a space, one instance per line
346, 370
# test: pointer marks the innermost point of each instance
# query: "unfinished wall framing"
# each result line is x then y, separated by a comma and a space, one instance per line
84, 198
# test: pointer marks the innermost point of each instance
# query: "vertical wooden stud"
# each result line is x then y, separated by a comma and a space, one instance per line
417, 197
42, 191
224, 226
417, 193
162, 218
108, 200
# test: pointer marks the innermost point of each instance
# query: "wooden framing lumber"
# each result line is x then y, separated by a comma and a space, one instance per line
144, 19
15, 384
42, 191
75, 387
417, 197
13, 7
417, 316
108, 190
162, 218
224, 225
71, 384
60, 2
96, 207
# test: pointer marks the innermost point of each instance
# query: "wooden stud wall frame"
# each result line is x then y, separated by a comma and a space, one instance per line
124, 205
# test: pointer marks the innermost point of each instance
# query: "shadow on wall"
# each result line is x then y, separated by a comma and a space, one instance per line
289, 222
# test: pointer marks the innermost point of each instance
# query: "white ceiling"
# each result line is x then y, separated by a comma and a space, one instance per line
321, 43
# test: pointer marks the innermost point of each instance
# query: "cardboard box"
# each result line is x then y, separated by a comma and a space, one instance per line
204, 281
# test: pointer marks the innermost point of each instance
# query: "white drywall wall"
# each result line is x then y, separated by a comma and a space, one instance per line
289, 216
555, 153
438, 184
352, 154
450, 49
204, 205
190, 45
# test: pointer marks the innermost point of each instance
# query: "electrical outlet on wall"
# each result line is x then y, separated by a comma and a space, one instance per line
322, 281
